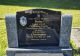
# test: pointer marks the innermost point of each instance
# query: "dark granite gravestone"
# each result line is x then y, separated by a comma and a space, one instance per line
38, 27
38, 32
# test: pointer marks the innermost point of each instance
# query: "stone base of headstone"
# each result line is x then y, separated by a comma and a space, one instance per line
39, 51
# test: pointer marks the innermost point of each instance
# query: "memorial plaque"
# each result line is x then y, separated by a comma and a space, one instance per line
38, 27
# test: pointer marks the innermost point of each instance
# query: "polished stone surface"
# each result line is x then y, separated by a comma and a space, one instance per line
39, 54
65, 30
42, 27
11, 30
40, 50
62, 32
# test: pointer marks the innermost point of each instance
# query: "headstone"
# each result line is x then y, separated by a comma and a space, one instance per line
38, 32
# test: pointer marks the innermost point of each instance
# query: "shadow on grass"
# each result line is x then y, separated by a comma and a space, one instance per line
61, 4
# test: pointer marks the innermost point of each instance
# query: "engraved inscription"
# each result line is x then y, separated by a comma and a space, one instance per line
41, 29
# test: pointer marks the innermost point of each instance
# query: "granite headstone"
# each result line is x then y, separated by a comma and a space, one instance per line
39, 32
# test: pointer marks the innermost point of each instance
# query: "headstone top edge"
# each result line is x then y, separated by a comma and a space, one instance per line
39, 10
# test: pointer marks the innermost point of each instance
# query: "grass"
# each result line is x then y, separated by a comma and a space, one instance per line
11, 6
3, 39
76, 50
